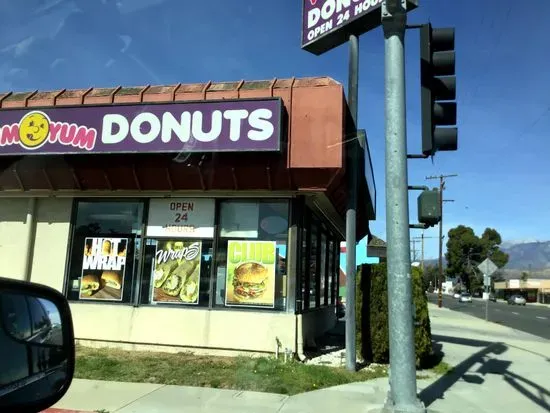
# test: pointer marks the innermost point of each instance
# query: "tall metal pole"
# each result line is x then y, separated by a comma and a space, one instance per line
440, 287
402, 396
352, 171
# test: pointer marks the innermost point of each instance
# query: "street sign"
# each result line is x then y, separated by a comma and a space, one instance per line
487, 267
486, 281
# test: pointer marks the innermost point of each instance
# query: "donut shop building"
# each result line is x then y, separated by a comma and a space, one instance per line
195, 217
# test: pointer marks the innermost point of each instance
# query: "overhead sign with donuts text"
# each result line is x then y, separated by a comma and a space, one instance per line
240, 125
327, 24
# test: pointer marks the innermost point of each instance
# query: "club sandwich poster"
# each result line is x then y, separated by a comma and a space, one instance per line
103, 268
250, 276
177, 272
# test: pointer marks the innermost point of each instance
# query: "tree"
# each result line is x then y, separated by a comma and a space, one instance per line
430, 276
372, 310
490, 242
462, 243
524, 276
465, 250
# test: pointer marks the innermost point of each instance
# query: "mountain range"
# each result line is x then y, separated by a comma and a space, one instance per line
532, 257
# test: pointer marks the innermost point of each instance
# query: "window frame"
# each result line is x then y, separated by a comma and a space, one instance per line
216, 260
326, 235
138, 276
336, 270
137, 269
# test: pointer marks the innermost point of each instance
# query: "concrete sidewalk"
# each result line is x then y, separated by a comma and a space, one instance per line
496, 369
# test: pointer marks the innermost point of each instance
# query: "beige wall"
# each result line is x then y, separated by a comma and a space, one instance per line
53, 216
49, 244
530, 283
13, 237
234, 330
125, 324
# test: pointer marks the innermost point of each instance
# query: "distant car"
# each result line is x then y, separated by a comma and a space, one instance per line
465, 298
456, 295
517, 300
492, 297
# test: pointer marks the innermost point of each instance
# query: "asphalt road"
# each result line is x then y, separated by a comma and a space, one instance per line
532, 319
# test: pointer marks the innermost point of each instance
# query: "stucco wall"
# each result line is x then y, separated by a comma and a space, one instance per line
234, 330
51, 231
53, 217
13, 237
123, 324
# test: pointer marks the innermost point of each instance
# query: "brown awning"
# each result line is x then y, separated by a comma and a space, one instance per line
312, 158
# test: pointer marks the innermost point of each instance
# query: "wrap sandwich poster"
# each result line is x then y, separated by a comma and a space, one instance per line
250, 276
177, 272
103, 267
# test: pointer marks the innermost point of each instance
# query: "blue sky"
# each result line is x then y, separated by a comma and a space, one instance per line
502, 52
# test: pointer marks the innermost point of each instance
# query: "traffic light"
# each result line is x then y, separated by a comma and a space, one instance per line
438, 90
429, 207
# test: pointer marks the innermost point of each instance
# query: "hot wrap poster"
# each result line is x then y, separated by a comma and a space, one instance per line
103, 268
177, 272
250, 274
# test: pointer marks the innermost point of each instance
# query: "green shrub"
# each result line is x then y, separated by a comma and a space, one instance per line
372, 316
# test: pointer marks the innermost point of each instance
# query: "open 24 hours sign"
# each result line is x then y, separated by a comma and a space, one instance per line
181, 218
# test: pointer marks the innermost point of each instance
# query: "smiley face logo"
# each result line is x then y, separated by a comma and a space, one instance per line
34, 129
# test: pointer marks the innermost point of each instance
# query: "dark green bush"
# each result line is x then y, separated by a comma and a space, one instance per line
372, 316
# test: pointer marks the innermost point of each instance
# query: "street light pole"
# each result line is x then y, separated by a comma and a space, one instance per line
352, 170
402, 396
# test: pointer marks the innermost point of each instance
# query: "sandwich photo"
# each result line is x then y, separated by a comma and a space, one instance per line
89, 285
111, 279
162, 271
249, 281
177, 278
190, 290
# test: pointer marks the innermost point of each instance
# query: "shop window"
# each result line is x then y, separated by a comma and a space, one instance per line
251, 254
176, 271
304, 261
313, 267
331, 272
323, 271
178, 252
105, 251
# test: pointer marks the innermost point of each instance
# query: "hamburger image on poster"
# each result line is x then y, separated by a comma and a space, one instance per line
250, 278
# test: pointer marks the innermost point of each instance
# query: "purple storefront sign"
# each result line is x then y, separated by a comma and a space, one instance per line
327, 24
205, 126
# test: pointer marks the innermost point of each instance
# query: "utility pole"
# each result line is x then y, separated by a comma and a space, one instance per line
352, 169
413, 242
422, 238
402, 396
441, 189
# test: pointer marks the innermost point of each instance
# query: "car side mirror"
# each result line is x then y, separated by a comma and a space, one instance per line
37, 342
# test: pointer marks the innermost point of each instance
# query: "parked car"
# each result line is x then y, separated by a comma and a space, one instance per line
465, 298
517, 300
492, 297
456, 295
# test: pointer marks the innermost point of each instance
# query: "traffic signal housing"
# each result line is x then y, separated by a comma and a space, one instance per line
429, 207
438, 90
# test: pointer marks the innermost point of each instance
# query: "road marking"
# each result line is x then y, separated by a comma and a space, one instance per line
513, 312
542, 318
